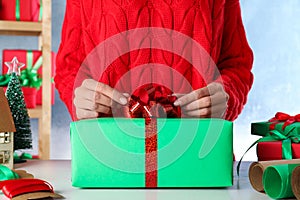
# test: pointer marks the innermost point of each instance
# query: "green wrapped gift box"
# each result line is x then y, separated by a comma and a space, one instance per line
284, 123
111, 153
263, 128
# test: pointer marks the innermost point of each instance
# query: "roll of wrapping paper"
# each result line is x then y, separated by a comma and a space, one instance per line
277, 181
296, 182
257, 169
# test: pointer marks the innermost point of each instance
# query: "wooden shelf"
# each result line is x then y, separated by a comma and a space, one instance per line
36, 112
43, 31
20, 28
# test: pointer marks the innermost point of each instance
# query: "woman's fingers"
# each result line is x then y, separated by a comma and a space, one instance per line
105, 90
93, 97
85, 114
210, 101
198, 104
204, 112
207, 101
191, 97
90, 105
216, 111
210, 90
103, 100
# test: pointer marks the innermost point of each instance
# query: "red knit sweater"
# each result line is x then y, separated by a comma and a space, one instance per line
215, 24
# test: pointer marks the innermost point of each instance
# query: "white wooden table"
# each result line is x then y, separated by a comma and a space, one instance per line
58, 173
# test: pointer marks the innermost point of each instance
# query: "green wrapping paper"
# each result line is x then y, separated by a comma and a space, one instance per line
110, 153
277, 181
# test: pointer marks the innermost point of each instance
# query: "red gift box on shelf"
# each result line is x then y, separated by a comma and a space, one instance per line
273, 150
29, 57
21, 10
29, 96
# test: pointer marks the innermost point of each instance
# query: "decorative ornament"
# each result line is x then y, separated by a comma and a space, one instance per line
15, 97
14, 66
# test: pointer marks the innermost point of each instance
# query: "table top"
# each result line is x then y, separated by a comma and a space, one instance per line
58, 173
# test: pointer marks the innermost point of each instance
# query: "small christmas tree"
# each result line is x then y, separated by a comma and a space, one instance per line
15, 97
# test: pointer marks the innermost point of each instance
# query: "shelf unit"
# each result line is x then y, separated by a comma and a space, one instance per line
43, 31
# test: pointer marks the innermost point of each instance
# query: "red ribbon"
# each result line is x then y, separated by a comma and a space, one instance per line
152, 101
151, 154
283, 117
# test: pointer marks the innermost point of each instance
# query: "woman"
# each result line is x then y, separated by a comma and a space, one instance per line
215, 24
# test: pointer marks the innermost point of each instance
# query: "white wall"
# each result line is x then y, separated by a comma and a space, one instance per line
273, 30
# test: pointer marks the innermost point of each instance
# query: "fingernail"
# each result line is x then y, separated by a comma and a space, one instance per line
176, 103
123, 100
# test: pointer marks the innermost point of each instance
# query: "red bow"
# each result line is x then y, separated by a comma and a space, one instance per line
153, 101
283, 117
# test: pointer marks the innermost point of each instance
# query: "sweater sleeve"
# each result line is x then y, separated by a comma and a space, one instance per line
235, 61
70, 54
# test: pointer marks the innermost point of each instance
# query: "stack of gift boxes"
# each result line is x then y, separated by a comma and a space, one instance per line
277, 170
31, 74
280, 137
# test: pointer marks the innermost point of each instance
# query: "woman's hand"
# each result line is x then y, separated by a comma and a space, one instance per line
92, 98
207, 102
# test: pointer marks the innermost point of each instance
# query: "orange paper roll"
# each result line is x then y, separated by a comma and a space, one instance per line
257, 169
296, 182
